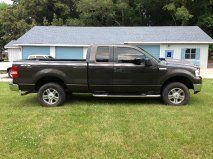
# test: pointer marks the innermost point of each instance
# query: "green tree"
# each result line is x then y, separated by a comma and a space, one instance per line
95, 12
3, 6
179, 14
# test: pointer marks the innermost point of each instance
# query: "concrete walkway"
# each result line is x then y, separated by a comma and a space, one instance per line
5, 78
205, 73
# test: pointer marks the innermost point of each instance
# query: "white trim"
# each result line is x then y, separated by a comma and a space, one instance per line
12, 47
52, 51
52, 45
170, 42
85, 52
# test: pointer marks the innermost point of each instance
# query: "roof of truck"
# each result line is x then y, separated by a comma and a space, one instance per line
83, 36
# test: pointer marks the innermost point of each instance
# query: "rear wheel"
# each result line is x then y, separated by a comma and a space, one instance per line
51, 94
176, 94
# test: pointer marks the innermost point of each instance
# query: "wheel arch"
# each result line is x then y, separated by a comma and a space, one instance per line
182, 79
8, 69
49, 79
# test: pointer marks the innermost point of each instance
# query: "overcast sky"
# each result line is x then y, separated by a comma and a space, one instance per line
6, 1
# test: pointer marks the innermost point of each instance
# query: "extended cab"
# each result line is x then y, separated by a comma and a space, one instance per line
108, 71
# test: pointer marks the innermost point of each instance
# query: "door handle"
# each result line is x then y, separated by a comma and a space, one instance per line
119, 69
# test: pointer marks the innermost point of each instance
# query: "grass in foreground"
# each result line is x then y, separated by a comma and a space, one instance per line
88, 127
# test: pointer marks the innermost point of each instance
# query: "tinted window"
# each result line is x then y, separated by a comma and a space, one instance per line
127, 54
103, 54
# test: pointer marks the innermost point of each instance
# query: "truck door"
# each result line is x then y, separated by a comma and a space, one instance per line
100, 72
133, 78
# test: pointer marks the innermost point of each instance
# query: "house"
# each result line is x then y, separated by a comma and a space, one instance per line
188, 43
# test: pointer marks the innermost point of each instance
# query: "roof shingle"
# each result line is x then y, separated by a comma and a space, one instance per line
61, 35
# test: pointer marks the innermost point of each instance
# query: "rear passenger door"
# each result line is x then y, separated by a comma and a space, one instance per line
100, 73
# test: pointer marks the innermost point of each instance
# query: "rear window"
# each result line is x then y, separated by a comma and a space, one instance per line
103, 54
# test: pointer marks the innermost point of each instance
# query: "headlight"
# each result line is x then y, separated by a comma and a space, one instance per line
197, 73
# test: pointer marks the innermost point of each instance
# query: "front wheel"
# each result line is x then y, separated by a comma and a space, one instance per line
51, 94
176, 94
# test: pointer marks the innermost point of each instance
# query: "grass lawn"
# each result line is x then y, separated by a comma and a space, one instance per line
88, 127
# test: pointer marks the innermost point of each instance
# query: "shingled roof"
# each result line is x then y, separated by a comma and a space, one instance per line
82, 36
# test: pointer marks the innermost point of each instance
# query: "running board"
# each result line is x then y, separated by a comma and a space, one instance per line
128, 96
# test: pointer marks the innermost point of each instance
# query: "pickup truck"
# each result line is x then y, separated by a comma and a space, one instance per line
108, 71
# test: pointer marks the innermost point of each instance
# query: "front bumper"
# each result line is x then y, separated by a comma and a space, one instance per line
197, 88
14, 87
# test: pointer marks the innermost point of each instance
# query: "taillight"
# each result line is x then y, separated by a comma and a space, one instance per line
15, 72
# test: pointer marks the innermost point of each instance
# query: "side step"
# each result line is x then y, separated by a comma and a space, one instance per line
128, 96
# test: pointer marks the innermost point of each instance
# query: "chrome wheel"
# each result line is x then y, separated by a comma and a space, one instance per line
176, 96
50, 96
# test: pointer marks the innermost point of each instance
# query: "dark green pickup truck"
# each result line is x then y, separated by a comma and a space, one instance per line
108, 71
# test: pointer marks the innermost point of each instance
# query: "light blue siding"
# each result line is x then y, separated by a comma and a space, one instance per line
34, 50
152, 49
69, 52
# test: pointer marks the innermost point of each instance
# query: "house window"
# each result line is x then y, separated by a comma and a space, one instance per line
190, 54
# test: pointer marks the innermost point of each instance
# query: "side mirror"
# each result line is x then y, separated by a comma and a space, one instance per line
148, 62
137, 61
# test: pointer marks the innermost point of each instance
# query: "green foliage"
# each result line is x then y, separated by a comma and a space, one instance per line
183, 15
3, 6
178, 13
19, 17
57, 21
95, 12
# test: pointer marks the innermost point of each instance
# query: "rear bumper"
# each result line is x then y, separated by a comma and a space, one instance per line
14, 87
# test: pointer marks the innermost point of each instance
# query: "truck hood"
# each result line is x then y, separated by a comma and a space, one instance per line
180, 63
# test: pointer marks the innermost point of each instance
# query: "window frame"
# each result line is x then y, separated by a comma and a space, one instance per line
190, 53
110, 55
116, 53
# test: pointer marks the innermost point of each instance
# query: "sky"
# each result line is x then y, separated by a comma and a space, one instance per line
6, 1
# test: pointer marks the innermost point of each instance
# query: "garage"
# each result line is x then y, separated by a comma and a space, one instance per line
69, 52
35, 50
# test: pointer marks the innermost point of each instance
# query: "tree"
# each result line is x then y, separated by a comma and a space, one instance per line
19, 17
180, 14
95, 12
13, 24
3, 6
50, 9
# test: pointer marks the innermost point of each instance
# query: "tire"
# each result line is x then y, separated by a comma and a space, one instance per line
51, 95
176, 94
9, 72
